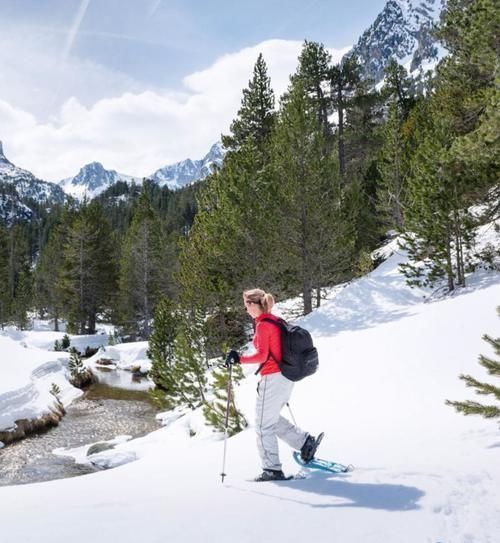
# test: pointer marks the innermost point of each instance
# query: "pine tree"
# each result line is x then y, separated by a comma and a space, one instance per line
397, 88
161, 349
145, 268
65, 342
23, 296
229, 245
214, 410
17, 275
309, 216
468, 92
88, 276
442, 185
345, 81
189, 372
75, 366
256, 115
5, 297
394, 160
49, 296
439, 224
393, 170
484, 389
314, 72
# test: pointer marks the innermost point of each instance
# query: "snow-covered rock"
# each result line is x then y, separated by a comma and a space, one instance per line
188, 171
92, 180
402, 31
21, 193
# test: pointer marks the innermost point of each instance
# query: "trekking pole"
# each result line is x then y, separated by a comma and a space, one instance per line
291, 414
226, 422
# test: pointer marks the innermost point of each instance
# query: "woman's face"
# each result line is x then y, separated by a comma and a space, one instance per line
253, 308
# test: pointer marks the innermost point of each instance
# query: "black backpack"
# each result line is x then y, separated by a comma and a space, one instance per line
299, 357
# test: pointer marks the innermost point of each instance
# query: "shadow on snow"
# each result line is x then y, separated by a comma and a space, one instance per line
386, 497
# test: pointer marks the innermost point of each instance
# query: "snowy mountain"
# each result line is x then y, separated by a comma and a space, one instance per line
183, 173
93, 179
22, 194
402, 31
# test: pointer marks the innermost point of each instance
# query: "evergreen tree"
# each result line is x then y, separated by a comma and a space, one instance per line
345, 81
189, 372
214, 410
394, 159
397, 88
5, 297
256, 115
65, 342
439, 224
393, 170
314, 71
161, 350
75, 366
49, 296
442, 186
230, 243
88, 276
484, 389
23, 296
468, 92
145, 268
18, 287
309, 216
80, 375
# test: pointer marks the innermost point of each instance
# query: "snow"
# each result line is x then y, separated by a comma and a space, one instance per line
27, 376
389, 360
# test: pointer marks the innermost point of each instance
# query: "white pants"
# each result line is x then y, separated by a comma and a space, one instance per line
273, 393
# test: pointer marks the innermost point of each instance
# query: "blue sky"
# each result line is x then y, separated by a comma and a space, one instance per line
71, 70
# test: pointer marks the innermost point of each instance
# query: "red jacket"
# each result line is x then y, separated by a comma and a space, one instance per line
267, 342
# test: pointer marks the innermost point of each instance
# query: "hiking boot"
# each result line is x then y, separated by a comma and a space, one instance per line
271, 475
310, 447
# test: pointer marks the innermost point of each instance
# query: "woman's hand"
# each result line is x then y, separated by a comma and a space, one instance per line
232, 358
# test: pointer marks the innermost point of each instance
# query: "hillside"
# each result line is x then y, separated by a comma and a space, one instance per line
389, 359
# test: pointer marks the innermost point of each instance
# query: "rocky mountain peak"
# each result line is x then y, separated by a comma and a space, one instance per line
187, 171
402, 31
3, 158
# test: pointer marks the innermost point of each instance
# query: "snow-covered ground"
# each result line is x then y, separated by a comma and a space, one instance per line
29, 367
388, 362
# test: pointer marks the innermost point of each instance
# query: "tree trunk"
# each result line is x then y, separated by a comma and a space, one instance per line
92, 324
341, 132
449, 266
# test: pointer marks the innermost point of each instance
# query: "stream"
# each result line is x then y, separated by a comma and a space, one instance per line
102, 413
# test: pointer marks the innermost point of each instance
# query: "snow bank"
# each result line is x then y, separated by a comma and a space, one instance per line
125, 356
27, 376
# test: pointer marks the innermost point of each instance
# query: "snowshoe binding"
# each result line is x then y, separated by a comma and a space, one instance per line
310, 447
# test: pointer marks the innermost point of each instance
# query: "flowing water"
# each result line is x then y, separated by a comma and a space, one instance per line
101, 414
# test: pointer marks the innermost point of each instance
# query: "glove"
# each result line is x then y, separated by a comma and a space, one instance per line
232, 358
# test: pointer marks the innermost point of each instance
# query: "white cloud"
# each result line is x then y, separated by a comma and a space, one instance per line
138, 132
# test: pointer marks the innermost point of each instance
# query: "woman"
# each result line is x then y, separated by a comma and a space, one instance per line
273, 391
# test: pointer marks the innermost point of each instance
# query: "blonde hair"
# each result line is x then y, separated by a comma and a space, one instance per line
258, 296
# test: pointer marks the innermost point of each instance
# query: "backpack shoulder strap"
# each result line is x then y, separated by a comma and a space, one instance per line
281, 323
